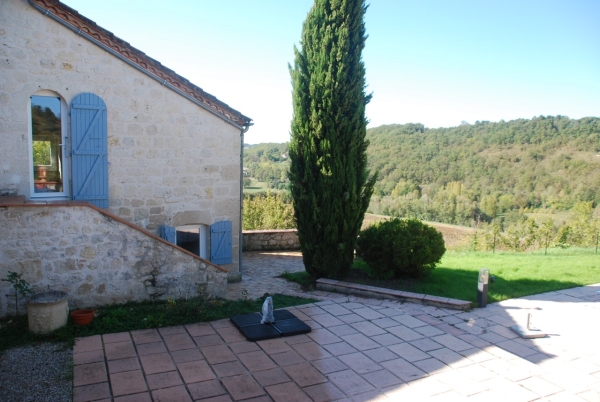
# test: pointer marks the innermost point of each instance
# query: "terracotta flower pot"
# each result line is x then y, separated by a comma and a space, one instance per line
82, 317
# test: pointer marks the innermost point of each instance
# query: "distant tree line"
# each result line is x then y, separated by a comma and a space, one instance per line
472, 173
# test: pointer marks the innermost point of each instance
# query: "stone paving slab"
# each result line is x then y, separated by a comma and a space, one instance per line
359, 350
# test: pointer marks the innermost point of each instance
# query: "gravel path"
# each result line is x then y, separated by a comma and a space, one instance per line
41, 372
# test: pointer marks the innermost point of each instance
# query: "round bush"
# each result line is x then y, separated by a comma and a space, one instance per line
400, 248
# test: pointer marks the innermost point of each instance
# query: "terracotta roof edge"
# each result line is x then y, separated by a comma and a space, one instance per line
85, 27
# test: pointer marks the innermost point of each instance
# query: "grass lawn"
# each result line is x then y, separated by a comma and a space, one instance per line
256, 186
132, 316
517, 274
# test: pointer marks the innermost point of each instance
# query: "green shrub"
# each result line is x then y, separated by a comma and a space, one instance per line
267, 212
400, 248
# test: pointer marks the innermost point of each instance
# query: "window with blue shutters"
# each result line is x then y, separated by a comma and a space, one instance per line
169, 233
89, 149
220, 243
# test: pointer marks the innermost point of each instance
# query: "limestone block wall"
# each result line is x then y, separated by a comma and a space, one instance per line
268, 240
170, 161
96, 258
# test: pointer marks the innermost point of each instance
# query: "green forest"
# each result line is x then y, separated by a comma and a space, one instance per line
470, 173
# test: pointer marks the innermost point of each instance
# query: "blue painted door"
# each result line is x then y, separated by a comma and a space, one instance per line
220, 243
169, 233
89, 149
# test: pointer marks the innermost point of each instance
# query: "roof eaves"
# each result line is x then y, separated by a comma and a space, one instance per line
150, 66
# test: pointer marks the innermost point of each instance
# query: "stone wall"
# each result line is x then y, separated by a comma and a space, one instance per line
96, 258
170, 161
269, 240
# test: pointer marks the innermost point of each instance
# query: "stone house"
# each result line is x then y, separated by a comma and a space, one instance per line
124, 177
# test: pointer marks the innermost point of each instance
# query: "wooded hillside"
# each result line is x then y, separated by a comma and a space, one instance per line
472, 172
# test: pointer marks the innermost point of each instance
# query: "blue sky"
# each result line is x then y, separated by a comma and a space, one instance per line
436, 62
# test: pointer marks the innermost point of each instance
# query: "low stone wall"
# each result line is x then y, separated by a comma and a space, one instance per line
96, 258
270, 240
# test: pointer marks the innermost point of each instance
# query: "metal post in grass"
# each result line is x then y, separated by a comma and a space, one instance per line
482, 287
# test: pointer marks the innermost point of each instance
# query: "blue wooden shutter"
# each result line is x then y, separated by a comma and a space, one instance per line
220, 242
89, 144
169, 233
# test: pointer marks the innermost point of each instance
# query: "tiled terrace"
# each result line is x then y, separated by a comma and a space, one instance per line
358, 350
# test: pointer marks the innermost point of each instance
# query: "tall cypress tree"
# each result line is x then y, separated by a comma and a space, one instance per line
328, 173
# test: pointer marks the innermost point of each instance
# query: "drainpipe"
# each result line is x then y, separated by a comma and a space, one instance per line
241, 238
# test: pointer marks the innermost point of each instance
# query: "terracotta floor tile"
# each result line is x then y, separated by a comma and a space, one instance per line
179, 342
206, 389
425, 344
179, 329
336, 309
119, 350
151, 348
143, 397
311, 310
340, 348
311, 351
256, 361
324, 392
173, 394
244, 346
329, 365
408, 352
313, 324
187, 355
229, 369
292, 340
380, 354
403, 369
93, 356
226, 398
360, 363
404, 333
452, 342
381, 379
145, 336
91, 392
360, 341
287, 358
368, 313
218, 354
90, 373
326, 320
195, 371
163, 380
271, 346
158, 363
118, 337
200, 329
350, 382
351, 318
87, 344
342, 330
271, 377
208, 340
323, 336
118, 366
287, 392
304, 374
224, 323
242, 387
431, 366
410, 321
385, 322
231, 334
129, 382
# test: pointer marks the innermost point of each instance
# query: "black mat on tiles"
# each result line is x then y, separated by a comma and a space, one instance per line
286, 324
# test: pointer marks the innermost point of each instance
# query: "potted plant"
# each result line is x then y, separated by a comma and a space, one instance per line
82, 317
